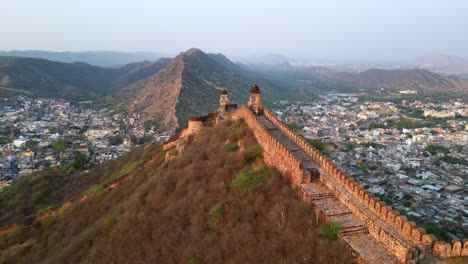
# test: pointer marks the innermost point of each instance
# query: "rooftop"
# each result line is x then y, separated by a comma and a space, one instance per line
254, 89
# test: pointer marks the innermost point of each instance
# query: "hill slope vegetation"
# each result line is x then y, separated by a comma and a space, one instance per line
33, 193
209, 199
74, 81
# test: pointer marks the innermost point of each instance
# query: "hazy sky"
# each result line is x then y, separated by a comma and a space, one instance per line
332, 29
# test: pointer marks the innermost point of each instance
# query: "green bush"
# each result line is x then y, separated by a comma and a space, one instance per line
115, 140
364, 167
317, 143
232, 147
215, 213
44, 209
250, 179
453, 160
194, 260
58, 145
434, 149
108, 223
253, 152
331, 230
130, 167
216, 210
4, 140
80, 160
96, 190
294, 126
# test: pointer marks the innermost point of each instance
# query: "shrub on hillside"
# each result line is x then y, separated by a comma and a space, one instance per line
253, 152
250, 179
232, 147
96, 190
215, 213
331, 230
107, 224
45, 209
216, 210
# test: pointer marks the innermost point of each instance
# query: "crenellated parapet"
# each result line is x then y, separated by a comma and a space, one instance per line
457, 248
404, 238
275, 153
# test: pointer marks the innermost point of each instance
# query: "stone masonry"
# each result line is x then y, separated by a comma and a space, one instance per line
376, 232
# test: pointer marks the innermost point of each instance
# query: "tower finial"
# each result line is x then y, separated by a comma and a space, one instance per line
254, 89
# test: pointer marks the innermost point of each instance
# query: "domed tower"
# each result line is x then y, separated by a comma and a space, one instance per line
254, 99
223, 101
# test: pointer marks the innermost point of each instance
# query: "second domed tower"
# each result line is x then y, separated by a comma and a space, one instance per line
254, 99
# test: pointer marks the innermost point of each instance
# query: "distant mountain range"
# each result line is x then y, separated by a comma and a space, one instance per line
171, 90
75, 81
99, 58
419, 80
442, 63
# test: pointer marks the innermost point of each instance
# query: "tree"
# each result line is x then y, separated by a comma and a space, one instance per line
30, 144
154, 124
364, 167
133, 139
53, 130
115, 140
434, 149
317, 143
80, 160
59, 146
294, 126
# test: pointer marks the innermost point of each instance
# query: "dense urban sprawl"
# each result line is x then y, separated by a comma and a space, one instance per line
413, 155
39, 133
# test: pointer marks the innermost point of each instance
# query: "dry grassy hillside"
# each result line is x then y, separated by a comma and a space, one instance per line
46, 188
210, 200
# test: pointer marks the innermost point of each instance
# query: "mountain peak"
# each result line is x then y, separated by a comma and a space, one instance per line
193, 51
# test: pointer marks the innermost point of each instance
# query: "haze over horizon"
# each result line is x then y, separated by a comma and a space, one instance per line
333, 30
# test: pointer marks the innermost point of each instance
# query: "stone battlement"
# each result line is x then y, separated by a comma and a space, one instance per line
292, 155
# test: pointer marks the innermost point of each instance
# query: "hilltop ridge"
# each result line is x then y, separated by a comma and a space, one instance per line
189, 85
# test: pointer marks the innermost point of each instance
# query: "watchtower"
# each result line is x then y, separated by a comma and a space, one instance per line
254, 99
223, 101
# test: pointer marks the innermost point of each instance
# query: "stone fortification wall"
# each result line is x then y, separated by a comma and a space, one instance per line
392, 220
400, 236
275, 154
385, 224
